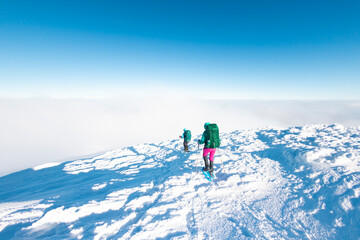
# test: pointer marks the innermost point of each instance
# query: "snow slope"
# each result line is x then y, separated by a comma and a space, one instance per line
296, 183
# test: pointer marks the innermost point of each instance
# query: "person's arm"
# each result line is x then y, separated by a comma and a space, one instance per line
202, 140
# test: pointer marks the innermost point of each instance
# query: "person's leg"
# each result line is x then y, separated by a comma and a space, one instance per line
205, 153
212, 156
211, 168
186, 146
212, 152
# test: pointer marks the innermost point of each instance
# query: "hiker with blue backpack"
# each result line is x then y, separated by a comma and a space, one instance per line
187, 138
211, 140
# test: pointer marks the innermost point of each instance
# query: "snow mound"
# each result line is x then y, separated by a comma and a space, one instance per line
46, 165
296, 183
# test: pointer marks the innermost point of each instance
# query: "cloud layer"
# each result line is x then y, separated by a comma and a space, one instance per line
37, 131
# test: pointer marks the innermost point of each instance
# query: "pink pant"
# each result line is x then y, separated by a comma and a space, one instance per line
212, 151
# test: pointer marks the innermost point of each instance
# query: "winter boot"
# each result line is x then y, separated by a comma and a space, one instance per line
206, 168
211, 169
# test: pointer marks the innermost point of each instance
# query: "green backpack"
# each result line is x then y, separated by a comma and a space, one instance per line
187, 136
212, 139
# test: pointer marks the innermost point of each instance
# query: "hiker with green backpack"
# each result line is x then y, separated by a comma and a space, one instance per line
187, 138
211, 141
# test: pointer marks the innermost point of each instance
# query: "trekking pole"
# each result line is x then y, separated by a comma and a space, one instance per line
222, 163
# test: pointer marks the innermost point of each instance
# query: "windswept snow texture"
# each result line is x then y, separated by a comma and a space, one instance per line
296, 183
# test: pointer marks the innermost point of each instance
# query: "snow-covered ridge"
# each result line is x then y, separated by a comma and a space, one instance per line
296, 183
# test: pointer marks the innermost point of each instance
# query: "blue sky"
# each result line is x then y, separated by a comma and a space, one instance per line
207, 49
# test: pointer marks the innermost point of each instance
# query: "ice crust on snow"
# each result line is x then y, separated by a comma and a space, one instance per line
295, 183
98, 186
